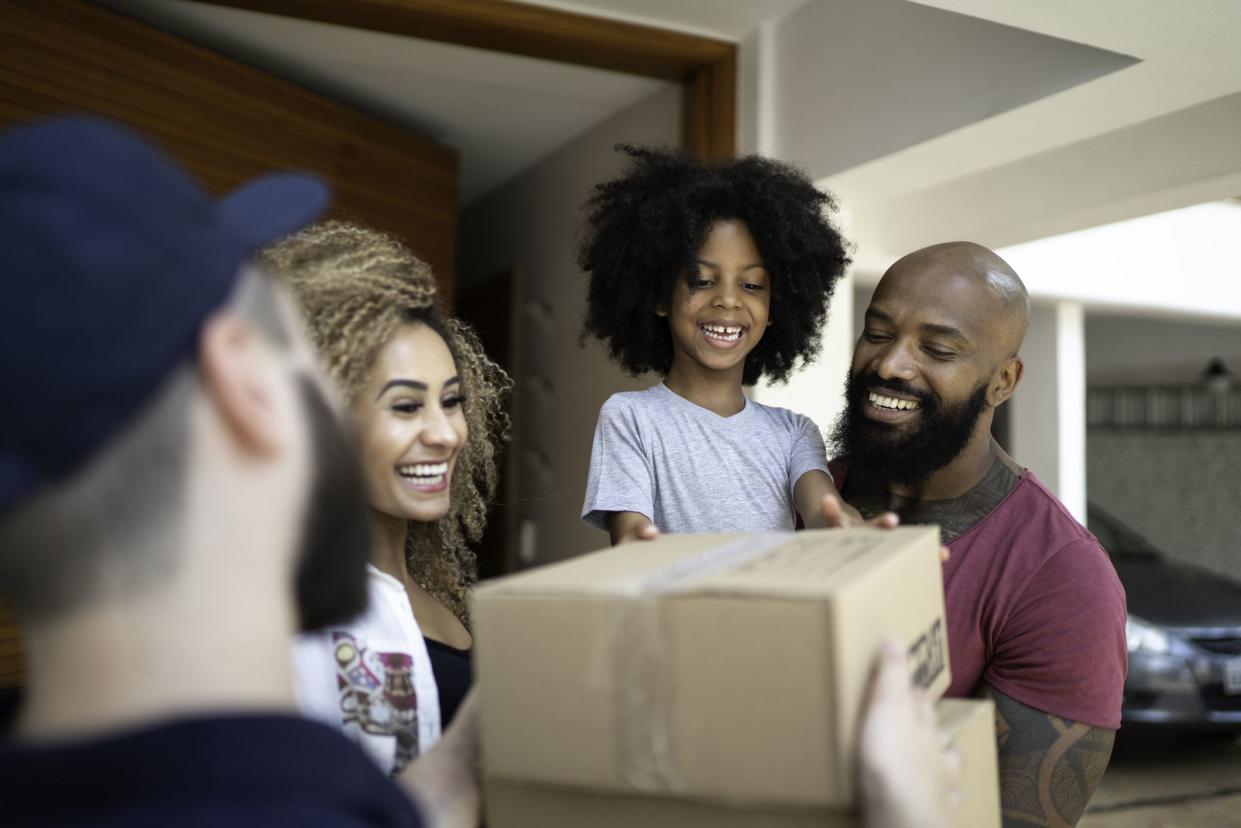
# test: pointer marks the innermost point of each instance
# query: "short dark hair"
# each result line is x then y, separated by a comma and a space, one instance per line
112, 527
643, 231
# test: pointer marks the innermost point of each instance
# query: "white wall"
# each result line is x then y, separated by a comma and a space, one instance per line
530, 223
817, 390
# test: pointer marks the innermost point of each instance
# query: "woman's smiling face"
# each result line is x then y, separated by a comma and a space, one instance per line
411, 425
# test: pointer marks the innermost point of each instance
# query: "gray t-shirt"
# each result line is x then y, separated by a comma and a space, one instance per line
690, 470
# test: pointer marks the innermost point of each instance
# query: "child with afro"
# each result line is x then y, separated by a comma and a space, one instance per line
713, 275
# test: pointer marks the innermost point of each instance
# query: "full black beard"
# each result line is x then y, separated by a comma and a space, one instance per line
335, 542
879, 452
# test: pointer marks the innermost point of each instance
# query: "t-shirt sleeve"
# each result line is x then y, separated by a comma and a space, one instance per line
808, 452
1062, 647
621, 476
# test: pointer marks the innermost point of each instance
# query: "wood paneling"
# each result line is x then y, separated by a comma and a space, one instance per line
10, 651
227, 123
706, 66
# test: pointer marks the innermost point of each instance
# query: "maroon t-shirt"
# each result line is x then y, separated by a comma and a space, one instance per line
1035, 610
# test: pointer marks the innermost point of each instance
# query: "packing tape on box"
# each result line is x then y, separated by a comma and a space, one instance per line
638, 646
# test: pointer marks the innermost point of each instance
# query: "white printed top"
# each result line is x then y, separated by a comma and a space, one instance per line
372, 678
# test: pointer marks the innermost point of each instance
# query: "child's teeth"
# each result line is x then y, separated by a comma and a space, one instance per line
723, 331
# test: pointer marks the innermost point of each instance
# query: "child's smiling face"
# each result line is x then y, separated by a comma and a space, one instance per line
719, 313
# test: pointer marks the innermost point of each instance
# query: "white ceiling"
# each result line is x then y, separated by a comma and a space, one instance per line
1188, 52
500, 112
1089, 154
1160, 134
725, 19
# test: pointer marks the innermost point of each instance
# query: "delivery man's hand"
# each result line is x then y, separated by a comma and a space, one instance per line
906, 779
630, 526
446, 781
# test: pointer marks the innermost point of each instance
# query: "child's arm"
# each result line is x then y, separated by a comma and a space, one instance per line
630, 526
620, 483
822, 507
815, 496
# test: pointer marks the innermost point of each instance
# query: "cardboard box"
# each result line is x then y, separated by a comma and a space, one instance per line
519, 805
708, 668
969, 725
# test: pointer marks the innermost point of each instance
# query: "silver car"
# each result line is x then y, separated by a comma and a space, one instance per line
1184, 635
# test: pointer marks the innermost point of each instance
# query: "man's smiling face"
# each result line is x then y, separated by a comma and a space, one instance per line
920, 347
922, 372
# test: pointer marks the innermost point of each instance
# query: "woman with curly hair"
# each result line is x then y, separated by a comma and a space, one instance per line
713, 275
427, 407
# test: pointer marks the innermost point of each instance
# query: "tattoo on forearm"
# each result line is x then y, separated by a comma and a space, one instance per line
1049, 766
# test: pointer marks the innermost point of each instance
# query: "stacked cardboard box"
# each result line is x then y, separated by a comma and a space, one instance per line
702, 679
967, 725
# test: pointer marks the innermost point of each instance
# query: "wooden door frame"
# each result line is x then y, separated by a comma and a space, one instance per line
706, 67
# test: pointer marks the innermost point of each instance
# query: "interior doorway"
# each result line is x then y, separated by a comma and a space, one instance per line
492, 309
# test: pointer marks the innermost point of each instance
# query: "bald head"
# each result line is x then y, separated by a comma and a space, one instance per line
994, 294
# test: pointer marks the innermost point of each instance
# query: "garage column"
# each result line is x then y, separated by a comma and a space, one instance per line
1048, 416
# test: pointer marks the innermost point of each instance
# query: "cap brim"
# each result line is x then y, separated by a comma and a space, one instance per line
273, 206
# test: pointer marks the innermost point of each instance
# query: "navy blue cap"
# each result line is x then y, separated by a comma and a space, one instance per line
111, 258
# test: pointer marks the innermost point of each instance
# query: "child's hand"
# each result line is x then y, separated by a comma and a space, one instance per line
624, 527
841, 515
647, 531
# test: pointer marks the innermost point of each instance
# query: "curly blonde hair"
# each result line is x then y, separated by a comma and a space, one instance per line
358, 287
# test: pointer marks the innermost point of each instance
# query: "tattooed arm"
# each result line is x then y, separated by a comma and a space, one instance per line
1049, 766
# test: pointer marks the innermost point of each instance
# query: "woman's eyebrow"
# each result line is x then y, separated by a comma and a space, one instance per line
402, 383
414, 384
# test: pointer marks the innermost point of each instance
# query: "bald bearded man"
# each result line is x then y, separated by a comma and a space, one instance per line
1036, 614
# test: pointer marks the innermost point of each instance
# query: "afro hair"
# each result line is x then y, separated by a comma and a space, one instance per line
643, 231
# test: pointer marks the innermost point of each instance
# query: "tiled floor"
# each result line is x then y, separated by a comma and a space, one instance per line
1176, 783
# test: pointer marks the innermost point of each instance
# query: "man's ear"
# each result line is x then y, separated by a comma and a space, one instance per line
1005, 381
240, 382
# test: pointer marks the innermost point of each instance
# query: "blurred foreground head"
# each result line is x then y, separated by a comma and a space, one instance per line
163, 435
